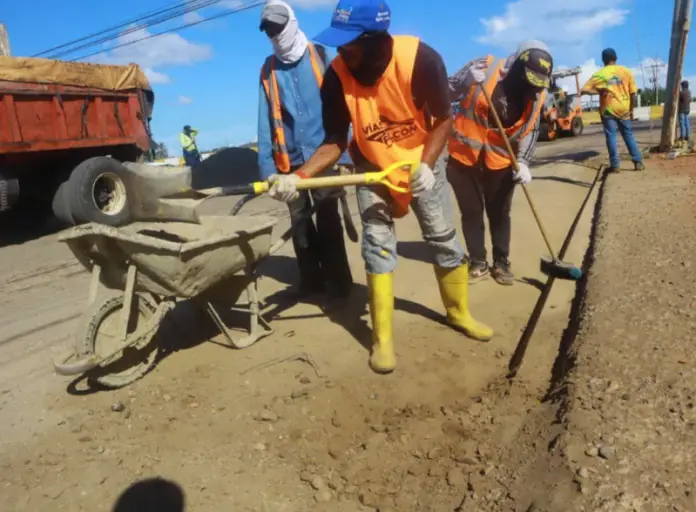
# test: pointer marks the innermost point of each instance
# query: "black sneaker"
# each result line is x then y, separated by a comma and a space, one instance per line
638, 166
478, 270
613, 170
502, 274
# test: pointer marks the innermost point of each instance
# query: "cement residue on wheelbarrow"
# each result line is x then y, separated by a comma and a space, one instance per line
173, 258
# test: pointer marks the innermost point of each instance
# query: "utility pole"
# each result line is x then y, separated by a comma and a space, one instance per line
655, 77
4, 42
681, 23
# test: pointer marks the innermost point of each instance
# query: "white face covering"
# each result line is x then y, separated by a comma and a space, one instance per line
290, 45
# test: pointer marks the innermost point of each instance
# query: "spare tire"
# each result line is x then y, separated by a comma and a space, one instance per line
97, 192
62, 205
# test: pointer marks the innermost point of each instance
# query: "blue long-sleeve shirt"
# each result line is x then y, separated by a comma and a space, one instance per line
300, 103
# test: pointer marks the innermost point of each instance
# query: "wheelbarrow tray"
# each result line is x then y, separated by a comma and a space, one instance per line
173, 259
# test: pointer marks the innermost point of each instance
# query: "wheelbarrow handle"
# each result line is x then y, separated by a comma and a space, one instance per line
69, 365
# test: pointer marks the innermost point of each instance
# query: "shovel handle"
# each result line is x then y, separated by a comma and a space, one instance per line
513, 159
344, 180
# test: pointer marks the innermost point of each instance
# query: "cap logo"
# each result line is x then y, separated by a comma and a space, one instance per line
343, 15
383, 16
545, 64
524, 56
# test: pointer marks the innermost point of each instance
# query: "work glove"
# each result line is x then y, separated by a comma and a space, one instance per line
284, 187
422, 180
523, 176
476, 75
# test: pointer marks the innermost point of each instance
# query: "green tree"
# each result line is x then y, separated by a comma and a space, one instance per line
647, 96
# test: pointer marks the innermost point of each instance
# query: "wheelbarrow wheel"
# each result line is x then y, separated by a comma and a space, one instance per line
101, 334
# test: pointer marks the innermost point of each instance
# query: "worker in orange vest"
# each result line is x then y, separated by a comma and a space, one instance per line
479, 167
394, 92
290, 130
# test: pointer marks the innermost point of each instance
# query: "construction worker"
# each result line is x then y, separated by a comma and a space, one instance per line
393, 90
290, 130
617, 91
187, 138
479, 167
684, 112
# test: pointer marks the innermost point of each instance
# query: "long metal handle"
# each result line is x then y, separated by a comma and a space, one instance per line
511, 153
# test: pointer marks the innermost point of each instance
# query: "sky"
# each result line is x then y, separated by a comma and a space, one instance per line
207, 75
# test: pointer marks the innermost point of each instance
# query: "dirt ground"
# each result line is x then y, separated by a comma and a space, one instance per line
298, 422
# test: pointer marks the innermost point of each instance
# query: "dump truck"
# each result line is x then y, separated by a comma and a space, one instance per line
562, 113
65, 129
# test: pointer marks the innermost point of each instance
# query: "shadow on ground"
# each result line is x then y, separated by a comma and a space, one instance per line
152, 494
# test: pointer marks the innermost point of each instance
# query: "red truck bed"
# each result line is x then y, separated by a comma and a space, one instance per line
54, 105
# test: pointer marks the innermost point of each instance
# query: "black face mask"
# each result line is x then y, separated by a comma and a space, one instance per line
378, 51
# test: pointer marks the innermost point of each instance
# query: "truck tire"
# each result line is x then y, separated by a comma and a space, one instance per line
97, 192
61, 205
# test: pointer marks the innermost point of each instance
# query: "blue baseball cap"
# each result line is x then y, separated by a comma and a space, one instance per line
352, 18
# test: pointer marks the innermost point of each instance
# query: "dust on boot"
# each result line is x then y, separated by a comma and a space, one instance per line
381, 298
454, 291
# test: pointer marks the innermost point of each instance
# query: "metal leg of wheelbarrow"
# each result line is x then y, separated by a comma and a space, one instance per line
258, 327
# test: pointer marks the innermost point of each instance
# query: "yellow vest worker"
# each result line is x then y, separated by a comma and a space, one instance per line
187, 138
393, 90
479, 167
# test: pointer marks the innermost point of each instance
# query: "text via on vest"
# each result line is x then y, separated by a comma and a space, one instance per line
389, 132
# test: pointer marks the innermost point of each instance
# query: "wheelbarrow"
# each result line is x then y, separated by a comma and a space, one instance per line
154, 265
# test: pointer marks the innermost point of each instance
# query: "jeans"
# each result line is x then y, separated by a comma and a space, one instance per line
684, 126
320, 248
434, 213
192, 158
477, 190
613, 125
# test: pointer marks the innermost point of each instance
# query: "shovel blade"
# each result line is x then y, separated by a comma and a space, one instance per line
147, 185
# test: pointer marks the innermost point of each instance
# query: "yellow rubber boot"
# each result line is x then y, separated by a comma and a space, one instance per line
381, 296
454, 290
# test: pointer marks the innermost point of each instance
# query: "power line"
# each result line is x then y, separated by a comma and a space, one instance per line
188, 7
111, 29
251, 5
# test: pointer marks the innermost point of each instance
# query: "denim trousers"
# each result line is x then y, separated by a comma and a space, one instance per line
684, 126
433, 210
613, 126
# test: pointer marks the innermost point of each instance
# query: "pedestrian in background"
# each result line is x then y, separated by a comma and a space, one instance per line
617, 91
189, 148
290, 129
684, 112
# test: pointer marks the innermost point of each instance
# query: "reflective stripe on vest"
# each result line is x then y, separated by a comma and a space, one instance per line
280, 148
473, 132
387, 126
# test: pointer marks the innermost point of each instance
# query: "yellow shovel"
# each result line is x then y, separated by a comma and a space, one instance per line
182, 205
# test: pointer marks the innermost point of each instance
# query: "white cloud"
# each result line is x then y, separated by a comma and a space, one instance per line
192, 17
560, 23
165, 50
184, 100
313, 4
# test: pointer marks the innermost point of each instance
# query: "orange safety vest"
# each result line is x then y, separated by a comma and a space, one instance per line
387, 126
472, 132
270, 84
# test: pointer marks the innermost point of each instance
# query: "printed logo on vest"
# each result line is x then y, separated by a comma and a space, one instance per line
389, 132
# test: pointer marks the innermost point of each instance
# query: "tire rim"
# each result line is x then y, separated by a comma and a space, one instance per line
109, 193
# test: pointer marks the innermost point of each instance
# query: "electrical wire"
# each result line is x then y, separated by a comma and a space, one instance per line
189, 7
138, 19
251, 5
